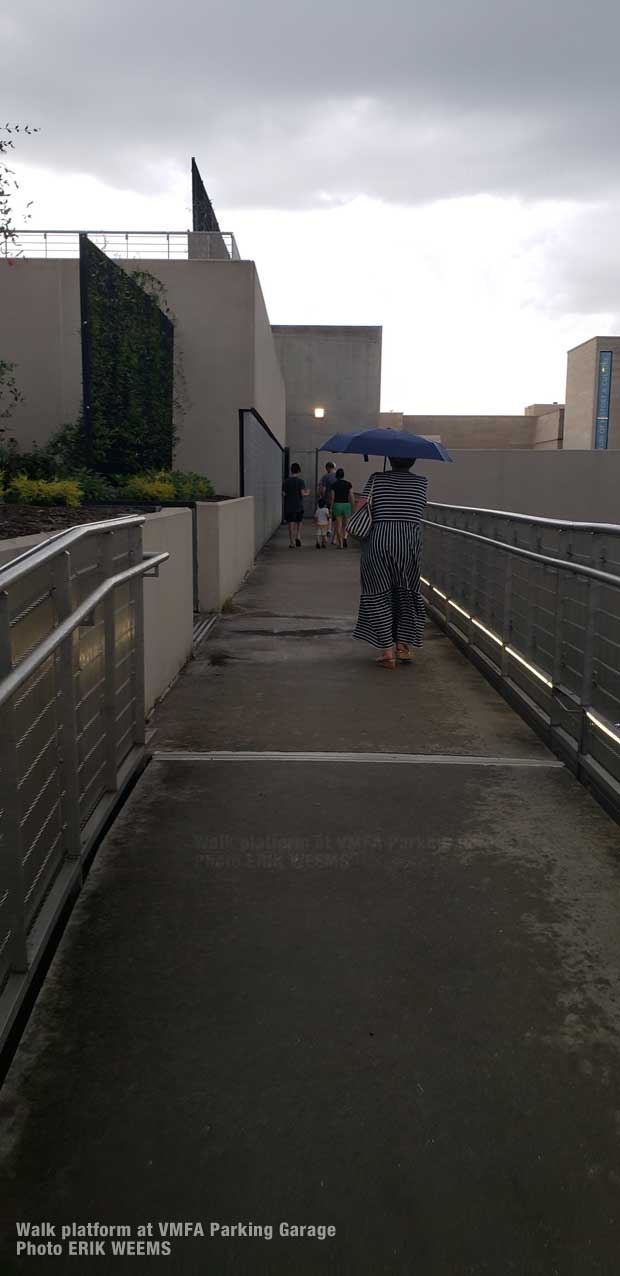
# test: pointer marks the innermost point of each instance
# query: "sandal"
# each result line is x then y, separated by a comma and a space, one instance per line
386, 662
403, 653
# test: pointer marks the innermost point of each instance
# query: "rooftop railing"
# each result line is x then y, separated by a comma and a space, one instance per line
171, 245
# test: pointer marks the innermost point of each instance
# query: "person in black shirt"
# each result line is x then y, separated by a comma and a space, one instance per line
294, 490
341, 494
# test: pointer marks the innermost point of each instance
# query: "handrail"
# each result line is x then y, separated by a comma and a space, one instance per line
59, 542
579, 569
529, 518
25, 670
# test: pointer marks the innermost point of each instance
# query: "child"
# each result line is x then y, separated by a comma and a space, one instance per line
322, 518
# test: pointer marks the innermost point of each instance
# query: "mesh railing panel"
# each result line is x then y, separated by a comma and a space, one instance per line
61, 717
553, 633
262, 476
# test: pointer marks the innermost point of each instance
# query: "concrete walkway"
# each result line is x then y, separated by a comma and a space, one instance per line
377, 995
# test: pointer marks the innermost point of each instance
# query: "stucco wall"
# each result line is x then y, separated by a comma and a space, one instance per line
168, 601
556, 484
40, 332
225, 549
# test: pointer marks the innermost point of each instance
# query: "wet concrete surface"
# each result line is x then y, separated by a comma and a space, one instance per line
283, 672
382, 998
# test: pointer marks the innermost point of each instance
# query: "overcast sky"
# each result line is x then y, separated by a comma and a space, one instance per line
449, 171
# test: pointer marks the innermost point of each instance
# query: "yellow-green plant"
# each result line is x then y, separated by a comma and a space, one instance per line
28, 491
155, 485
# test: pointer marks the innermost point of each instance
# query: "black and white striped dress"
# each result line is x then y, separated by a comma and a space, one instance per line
391, 606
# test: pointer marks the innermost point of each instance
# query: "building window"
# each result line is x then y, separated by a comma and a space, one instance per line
601, 425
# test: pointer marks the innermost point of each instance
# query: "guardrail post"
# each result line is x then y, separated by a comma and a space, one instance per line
12, 851
587, 682
507, 616
137, 601
558, 647
69, 753
109, 656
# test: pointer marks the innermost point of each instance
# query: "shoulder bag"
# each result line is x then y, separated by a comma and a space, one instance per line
360, 523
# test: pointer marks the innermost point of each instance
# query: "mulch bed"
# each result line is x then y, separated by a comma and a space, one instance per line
31, 520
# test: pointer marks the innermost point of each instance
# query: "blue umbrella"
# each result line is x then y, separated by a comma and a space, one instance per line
387, 443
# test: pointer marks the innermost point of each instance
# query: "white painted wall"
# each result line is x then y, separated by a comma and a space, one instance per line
168, 601
225, 545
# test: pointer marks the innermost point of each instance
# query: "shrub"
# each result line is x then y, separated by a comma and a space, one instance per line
66, 449
151, 486
28, 491
164, 485
94, 486
191, 487
36, 464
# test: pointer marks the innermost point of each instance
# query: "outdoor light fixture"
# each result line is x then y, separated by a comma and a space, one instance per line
319, 413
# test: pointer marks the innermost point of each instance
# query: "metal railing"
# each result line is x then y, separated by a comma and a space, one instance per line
547, 628
72, 715
595, 544
171, 245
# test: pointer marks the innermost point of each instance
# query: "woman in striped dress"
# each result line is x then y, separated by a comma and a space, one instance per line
392, 613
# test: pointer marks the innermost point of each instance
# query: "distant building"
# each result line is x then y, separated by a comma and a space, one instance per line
593, 395
540, 426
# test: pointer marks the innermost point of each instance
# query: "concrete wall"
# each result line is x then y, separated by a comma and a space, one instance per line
475, 431
556, 484
228, 361
10, 549
337, 368
225, 354
225, 549
540, 426
549, 429
581, 372
268, 394
40, 332
168, 601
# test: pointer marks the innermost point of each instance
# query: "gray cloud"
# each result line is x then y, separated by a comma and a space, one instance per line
579, 270
298, 103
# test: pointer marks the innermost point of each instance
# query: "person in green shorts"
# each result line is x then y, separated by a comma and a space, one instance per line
342, 508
